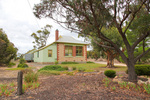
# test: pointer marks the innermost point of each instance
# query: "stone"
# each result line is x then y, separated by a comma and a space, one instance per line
116, 77
140, 82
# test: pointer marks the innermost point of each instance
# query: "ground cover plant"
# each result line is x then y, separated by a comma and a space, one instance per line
69, 63
143, 88
22, 63
11, 64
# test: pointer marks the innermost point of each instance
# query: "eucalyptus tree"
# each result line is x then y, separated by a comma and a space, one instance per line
41, 37
90, 16
7, 49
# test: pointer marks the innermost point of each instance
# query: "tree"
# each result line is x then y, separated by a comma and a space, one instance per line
41, 36
7, 49
110, 53
90, 16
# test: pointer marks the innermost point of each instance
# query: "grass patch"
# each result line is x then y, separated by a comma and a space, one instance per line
91, 67
50, 72
53, 67
89, 62
69, 63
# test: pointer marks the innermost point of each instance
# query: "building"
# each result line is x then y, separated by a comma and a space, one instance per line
64, 49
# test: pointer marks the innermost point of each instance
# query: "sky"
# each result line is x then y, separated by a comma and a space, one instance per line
18, 22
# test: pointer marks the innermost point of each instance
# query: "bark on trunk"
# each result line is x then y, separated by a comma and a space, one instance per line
132, 76
110, 61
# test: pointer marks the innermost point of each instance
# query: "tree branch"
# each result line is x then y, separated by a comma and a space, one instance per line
139, 40
141, 55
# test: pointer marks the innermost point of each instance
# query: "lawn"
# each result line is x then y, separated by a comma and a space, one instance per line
91, 67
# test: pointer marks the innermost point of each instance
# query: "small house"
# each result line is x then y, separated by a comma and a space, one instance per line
29, 55
64, 49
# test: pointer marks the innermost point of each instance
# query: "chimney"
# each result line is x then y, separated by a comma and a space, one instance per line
56, 35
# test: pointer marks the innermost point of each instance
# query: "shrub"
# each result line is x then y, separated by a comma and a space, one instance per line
22, 61
22, 65
110, 73
142, 70
74, 68
31, 77
27, 70
53, 67
89, 62
69, 63
80, 69
56, 62
66, 68
11, 64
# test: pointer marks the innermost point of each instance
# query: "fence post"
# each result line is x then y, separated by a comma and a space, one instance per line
19, 79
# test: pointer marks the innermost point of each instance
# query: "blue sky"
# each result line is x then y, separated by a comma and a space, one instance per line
18, 22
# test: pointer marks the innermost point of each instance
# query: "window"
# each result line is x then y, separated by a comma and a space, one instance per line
79, 50
49, 53
38, 54
68, 50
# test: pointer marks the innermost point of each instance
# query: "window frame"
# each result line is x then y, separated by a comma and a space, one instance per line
37, 54
78, 54
69, 51
51, 53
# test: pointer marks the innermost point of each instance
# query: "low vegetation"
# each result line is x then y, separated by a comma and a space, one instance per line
89, 62
110, 73
11, 64
53, 67
22, 63
145, 88
31, 77
142, 70
69, 63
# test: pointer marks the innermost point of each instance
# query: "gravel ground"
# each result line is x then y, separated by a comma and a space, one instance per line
64, 87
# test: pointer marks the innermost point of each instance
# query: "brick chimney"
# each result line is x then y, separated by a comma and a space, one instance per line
56, 35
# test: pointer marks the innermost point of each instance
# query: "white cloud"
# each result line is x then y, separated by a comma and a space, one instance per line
18, 21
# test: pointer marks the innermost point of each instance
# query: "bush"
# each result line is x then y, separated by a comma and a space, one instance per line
89, 62
69, 63
31, 77
53, 67
110, 73
22, 65
142, 70
11, 64
74, 68
22, 61
66, 68
80, 69
56, 62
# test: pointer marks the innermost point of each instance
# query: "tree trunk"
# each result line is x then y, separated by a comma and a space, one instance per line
110, 61
132, 76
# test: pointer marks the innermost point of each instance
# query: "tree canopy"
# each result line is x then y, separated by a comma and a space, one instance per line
41, 36
7, 49
90, 16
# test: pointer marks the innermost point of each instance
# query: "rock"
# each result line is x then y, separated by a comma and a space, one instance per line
99, 72
140, 82
116, 77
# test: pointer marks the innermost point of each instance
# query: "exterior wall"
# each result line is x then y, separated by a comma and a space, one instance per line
61, 54
43, 54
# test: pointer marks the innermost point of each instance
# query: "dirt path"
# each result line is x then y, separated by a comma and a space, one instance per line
78, 88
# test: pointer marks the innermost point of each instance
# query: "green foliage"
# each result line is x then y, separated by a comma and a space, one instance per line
22, 65
110, 73
7, 49
147, 88
69, 73
49, 72
80, 69
52, 67
31, 77
89, 62
66, 68
106, 82
22, 61
74, 68
69, 63
56, 62
11, 64
142, 70
41, 36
